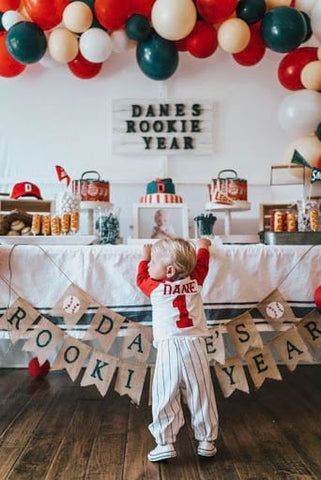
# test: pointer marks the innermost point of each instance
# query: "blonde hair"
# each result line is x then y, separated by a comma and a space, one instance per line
177, 252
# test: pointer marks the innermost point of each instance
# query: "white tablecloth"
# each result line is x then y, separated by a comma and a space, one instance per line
240, 276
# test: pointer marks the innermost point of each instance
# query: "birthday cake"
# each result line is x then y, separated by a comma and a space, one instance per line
161, 190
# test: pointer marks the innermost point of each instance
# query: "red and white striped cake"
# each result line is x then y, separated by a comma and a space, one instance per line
161, 198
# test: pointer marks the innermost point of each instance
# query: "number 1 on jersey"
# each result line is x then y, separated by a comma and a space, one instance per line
184, 320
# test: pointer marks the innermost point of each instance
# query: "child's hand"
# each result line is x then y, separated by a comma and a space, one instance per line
204, 243
146, 251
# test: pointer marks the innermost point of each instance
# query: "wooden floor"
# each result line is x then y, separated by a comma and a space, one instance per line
54, 429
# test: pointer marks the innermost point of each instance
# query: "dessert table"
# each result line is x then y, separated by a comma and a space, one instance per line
240, 276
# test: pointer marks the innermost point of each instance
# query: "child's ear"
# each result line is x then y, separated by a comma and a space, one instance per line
170, 271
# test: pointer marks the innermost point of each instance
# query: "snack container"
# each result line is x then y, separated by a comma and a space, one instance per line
91, 188
231, 186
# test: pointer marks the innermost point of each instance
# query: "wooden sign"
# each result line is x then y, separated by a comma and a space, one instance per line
162, 127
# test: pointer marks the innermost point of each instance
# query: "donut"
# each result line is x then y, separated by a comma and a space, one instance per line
45, 225
26, 231
291, 222
17, 225
55, 225
13, 233
36, 224
65, 223
278, 221
74, 221
314, 219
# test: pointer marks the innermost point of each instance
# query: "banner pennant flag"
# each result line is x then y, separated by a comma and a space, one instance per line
137, 342
299, 159
99, 372
18, 318
43, 340
291, 348
130, 380
215, 345
71, 356
231, 376
275, 309
244, 333
62, 175
104, 327
262, 365
310, 329
72, 305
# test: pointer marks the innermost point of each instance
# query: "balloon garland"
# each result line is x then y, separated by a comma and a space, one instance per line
83, 34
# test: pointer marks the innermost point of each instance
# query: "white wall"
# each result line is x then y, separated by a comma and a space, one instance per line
49, 117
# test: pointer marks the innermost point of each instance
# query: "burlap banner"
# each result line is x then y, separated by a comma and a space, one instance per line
72, 305
244, 333
130, 380
292, 348
19, 318
310, 329
71, 356
275, 309
137, 342
43, 339
104, 327
215, 345
231, 376
99, 372
262, 365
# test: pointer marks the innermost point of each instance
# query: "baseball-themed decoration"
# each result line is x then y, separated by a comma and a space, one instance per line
72, 305
262, 365
244, 333
62, 175
36, 370
130, 380
71, 356
19, 318
292, 348
275, 310
300, 160
43, 339
100, 371
231, 376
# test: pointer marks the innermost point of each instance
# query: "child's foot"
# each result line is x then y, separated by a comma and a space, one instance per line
162, 452
206, 449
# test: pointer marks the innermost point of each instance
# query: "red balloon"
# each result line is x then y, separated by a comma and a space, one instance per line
9, 67
292, 64
202, 41
46, 13
112, 14
9, 5
215, 11
255, 50
317, 297
37, 370
181, 45
82, 68
141, 7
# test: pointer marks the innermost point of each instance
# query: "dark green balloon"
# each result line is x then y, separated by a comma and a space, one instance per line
1, 26
26, 42
157, 57
251, 11
138, 28
318, 132
283, 29
308, 25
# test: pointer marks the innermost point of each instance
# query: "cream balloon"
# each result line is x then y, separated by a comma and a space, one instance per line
120, 41
173, 19
95, 45
308, 146
315, 17
311, 76
305, 5
63, 45
10, 18
299, 113
233, 35
277, 3
77, 17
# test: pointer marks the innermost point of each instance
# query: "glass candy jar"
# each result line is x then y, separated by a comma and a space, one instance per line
107, 225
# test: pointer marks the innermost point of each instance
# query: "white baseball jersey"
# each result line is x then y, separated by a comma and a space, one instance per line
177, 305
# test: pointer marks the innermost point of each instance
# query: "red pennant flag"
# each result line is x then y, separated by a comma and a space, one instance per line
62, 174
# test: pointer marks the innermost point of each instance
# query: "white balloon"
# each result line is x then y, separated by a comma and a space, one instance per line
11, 17
315, 17
95, 45
174, 19
120, 41
300, 113
305, 5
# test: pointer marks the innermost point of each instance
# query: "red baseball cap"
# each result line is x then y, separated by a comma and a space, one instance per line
26, 189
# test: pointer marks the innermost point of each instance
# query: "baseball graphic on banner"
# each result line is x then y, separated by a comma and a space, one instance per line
71, 304
275, 310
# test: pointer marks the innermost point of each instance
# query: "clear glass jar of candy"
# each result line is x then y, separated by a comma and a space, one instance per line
107, 225
308, 216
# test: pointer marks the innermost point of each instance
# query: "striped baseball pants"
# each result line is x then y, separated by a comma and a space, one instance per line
182, 363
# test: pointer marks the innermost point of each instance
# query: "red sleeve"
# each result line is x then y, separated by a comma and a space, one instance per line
143, 280
202, 263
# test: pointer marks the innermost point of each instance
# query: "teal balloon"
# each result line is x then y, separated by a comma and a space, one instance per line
157, 57
283, 29
318, 132
138, 28
26, 42
308, 25
251, 11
